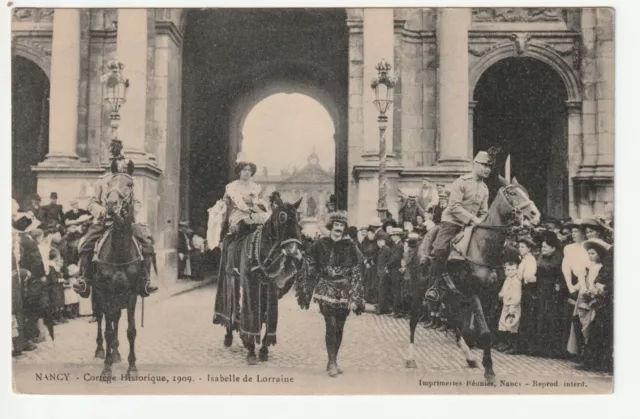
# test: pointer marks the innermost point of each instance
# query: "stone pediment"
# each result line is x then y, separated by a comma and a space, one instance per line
310, 174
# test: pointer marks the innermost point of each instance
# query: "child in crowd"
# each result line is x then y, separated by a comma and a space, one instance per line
71, 298
511, 295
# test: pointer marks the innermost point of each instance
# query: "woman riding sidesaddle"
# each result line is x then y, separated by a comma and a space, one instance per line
245, 210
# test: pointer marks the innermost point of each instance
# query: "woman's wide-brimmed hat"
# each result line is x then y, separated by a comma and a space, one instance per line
551, 239
528, 241
596, 224
571, 224
242, 161
339, 216
600, 246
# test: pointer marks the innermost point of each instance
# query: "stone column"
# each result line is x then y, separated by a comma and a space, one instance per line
574, 150
472, 107
378, 44
605, 89
65, 77
132, 52
453, 25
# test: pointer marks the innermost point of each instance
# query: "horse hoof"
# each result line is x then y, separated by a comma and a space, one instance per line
472, 363
132, 372
264, 356
333, 370
106, 374
490, 376
252, 360
411, 364
116, 357
99, 353
228, 340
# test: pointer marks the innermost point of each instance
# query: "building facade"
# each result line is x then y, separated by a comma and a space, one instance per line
538, 82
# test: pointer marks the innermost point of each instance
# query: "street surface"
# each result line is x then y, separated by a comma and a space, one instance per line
179, 340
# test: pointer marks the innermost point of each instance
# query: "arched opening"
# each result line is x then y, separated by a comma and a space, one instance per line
228, 69
520, 104
290, 137
29, 125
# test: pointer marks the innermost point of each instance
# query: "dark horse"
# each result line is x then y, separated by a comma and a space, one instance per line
472, 274
248, 294
119, 272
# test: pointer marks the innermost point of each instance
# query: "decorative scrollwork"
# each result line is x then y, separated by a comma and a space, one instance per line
517, 14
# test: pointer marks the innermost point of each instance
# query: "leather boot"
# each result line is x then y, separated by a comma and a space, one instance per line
149, 286
82, 286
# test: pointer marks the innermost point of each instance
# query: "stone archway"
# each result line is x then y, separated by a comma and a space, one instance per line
310, 85
30, 124
520, 105
565, 138
228, 69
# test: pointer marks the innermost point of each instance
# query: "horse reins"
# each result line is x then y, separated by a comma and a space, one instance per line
517, 211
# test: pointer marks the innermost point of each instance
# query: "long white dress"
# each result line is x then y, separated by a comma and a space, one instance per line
240, 202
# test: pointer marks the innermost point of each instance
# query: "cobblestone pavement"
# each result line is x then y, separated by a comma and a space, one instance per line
179, 332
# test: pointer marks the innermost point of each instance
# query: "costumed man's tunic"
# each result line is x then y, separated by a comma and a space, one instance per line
334, 277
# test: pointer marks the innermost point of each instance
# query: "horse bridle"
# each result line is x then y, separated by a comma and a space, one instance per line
518, 209
124, 198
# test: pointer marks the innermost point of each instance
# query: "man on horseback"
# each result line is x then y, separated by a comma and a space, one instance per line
102, 222
468, 204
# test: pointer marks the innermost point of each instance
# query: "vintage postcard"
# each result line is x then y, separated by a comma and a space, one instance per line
312, 201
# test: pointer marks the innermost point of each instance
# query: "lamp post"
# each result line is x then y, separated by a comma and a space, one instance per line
383, 90
114, 91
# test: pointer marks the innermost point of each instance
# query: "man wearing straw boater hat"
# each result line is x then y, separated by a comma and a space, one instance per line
468, 204
101, 223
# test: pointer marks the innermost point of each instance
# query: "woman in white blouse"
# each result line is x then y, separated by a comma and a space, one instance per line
243, 198
527, 274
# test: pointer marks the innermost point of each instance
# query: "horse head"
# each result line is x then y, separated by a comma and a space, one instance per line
283, 224
119, 198
514, 203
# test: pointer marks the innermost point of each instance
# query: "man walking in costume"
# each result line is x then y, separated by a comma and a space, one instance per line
102, 222
468, 204
335, 282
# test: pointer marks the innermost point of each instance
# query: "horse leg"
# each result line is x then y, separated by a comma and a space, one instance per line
108, 334
99, 340
251, 356
228, 338
484, 340
132, 371
461, 312
264, 353
116, 343
416, 311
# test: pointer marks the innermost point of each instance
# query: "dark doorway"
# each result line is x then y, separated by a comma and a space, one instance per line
230, 53
29, 125
520, 105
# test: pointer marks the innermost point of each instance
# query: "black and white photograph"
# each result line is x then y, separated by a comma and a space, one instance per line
312, 201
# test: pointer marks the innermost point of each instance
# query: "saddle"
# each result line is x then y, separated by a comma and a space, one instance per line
100, 243
460, 244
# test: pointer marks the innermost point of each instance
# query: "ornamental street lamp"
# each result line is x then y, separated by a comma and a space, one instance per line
114, 92
383, 90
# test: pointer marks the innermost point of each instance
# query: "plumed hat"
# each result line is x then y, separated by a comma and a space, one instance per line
242, 161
